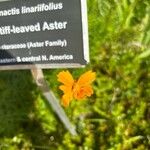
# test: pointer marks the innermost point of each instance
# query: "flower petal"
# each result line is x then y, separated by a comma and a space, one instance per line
83, 92
66, 78
66, 99
86, 78
65, 89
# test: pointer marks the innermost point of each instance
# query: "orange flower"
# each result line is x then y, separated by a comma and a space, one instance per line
75, 89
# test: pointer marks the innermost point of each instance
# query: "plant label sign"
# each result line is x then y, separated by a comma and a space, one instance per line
43, 33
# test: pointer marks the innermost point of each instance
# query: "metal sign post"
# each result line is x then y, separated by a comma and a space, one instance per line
42, 84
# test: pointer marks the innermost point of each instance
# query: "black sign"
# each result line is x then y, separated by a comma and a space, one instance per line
45, 33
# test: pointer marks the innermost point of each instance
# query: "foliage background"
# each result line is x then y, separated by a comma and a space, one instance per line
116, 117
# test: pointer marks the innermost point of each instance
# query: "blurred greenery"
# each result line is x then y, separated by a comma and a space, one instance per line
116, 117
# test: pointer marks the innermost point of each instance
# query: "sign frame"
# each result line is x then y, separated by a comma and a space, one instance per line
85, 39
